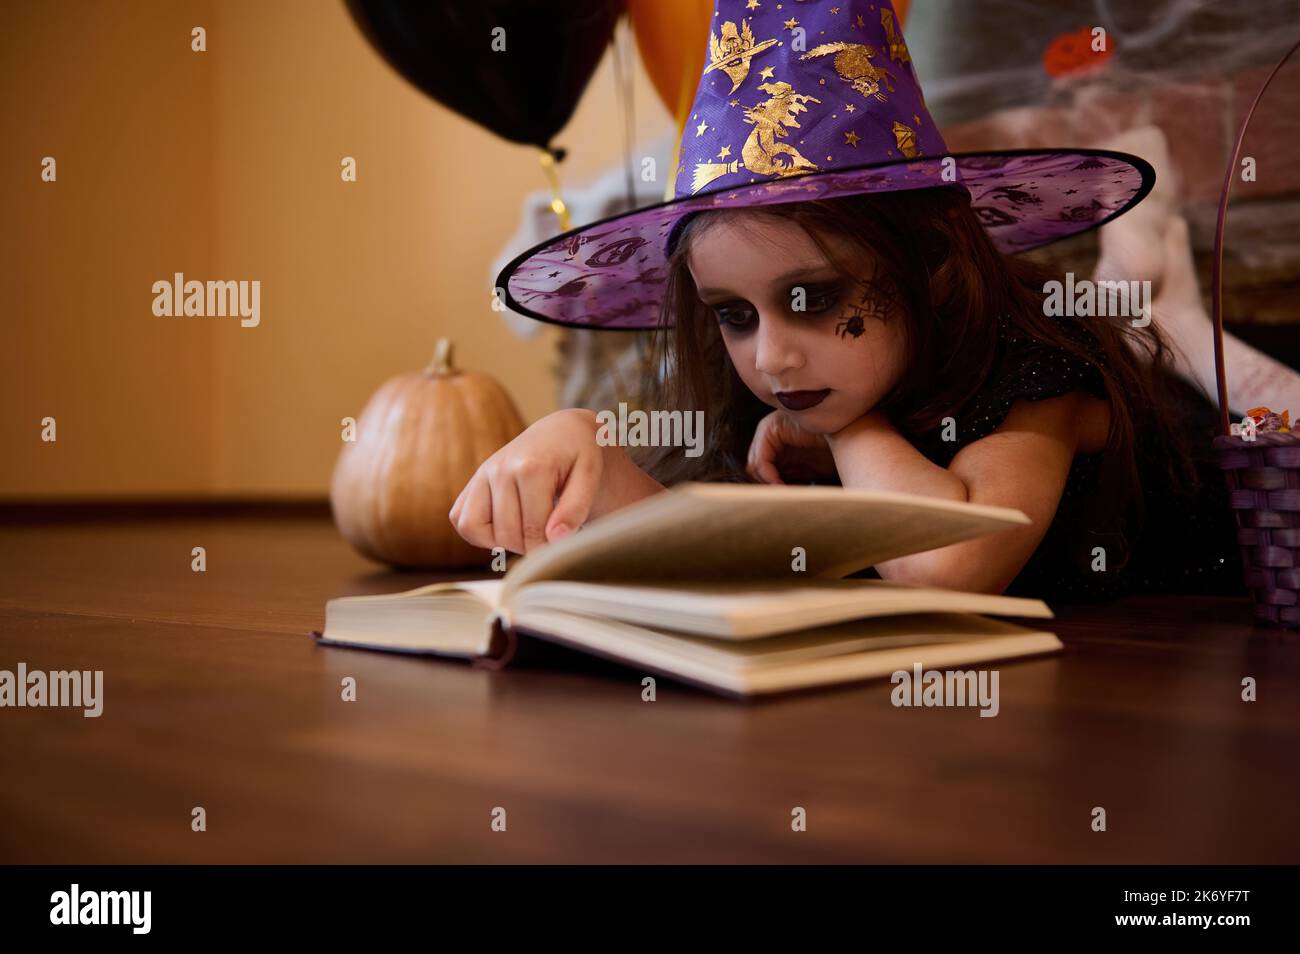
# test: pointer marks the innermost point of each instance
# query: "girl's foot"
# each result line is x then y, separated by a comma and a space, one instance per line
1132, 247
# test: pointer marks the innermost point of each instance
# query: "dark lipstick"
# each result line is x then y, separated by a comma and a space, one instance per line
802, 400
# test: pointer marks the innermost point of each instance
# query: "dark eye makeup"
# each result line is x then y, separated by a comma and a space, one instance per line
818, 298
737, 315
740, 315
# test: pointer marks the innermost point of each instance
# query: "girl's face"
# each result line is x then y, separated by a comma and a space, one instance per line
803, 338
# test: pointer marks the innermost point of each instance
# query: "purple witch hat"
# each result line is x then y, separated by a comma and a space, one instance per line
800, 101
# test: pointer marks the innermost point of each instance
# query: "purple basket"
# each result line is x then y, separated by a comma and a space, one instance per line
1263, 478
1263, 472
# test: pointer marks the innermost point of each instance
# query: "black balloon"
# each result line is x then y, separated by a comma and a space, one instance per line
526, 92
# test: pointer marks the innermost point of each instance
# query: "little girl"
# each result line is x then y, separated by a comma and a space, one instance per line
875, 335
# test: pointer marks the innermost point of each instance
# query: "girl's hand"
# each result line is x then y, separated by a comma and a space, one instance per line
539, 487
782, 447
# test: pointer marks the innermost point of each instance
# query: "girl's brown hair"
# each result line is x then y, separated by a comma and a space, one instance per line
953, 284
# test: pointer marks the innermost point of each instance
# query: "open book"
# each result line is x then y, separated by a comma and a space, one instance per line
737, 588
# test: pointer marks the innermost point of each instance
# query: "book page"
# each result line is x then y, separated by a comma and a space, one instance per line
750, 610
488, 591
702, 531
450, 618
878, 648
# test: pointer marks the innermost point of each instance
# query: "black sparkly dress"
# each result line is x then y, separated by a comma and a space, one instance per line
1187, 542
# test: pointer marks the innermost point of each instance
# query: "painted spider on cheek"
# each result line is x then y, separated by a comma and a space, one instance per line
873, 304
852, 325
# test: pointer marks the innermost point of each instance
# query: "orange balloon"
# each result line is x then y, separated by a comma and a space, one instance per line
671, 36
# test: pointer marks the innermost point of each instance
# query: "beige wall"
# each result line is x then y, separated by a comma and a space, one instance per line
125, 110
225, 165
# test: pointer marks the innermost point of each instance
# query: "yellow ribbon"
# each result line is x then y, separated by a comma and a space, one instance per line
557, 199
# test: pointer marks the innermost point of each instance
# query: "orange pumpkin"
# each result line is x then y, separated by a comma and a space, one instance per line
1071, 54
418, 441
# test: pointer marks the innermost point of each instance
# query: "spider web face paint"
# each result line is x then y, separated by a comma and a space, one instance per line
876, 302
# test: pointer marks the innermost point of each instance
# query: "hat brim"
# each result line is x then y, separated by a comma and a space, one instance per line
611, 274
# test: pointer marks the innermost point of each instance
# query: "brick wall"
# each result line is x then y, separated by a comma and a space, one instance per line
1200, 119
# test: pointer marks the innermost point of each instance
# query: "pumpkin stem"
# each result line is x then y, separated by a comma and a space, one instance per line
441, 363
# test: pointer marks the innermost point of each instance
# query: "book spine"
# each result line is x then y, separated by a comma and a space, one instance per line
503, 645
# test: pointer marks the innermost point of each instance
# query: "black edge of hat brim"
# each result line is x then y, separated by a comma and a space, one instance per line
1137, 162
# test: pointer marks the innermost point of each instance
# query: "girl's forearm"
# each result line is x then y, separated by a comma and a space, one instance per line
870, 454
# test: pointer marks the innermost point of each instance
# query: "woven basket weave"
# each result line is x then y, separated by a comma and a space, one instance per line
1262, 469
1263, 478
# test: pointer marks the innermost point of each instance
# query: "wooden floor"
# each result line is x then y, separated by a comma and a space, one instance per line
215, 696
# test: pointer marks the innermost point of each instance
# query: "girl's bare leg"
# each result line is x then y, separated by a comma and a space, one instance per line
1151, 243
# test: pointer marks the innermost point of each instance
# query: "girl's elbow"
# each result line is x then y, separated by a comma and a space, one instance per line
948, 571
